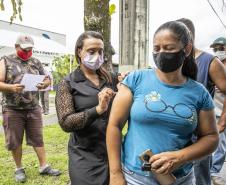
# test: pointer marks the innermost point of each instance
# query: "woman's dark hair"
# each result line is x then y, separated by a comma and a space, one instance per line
182, 33
79, 45
190, 26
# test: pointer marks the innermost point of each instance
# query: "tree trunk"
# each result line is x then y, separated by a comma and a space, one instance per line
97, 18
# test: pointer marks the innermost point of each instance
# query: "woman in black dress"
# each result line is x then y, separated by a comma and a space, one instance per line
83, 101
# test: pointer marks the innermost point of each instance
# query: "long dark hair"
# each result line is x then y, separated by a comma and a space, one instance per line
189, 25
183, 34
79, 45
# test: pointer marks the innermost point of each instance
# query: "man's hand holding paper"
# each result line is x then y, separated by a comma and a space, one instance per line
32, 82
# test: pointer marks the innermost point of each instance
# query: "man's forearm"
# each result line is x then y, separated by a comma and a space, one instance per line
222, 120
4, 87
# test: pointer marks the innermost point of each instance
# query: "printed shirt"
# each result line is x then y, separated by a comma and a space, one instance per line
15, 69
162, 117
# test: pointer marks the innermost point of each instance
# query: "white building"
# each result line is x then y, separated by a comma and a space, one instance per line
47, 44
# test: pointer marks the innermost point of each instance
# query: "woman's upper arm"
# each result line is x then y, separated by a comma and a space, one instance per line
207, 123
64, 102
69, 120
121, 106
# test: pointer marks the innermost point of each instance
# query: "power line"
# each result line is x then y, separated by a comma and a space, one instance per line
223, 5
216, 14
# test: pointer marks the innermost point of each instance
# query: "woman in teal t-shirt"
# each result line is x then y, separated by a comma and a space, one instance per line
164, 107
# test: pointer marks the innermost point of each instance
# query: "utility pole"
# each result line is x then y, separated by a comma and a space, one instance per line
134, 34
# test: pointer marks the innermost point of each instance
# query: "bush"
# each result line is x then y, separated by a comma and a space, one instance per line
61, 67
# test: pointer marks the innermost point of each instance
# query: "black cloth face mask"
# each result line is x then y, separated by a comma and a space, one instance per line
169, 62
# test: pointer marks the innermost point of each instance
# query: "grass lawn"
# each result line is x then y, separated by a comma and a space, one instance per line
125, 129
56, 149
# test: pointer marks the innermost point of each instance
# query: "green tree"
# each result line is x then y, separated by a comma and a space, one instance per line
97, 17
62, 66
16, 6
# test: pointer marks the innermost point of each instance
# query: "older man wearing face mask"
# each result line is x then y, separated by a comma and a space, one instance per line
21, 111
218, 158
219, 49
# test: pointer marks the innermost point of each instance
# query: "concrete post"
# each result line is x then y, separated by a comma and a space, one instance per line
134, 34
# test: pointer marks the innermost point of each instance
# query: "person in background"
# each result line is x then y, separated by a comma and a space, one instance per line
44, 94
219, 49
218, 157
83, 102
164, 107
211, 73
20, 109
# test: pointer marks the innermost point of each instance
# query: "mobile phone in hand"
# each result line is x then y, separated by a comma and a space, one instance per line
163, 179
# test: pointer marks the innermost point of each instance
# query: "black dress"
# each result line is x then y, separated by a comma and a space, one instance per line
76, 102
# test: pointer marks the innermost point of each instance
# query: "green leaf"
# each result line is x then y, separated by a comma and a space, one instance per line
11, 19
2, 5
20, 17
112, 9
16, 6
20, 2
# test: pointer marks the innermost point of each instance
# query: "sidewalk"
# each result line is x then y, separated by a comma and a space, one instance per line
51, 118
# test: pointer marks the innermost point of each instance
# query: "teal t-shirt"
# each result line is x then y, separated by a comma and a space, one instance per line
162, 117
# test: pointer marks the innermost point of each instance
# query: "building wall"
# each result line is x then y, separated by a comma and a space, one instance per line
44, 58
47, 44
57, 37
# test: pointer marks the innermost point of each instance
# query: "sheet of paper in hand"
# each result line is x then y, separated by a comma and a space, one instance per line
30, 81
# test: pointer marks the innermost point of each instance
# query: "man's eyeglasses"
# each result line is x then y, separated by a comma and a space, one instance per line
220, 48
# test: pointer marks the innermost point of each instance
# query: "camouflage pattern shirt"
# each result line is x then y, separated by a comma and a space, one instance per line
15, 69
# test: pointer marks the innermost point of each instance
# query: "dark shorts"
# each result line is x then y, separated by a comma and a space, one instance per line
16, 122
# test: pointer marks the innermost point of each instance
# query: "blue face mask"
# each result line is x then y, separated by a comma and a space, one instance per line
93, 62
169, 62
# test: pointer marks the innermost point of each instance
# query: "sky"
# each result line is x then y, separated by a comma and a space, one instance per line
67, 17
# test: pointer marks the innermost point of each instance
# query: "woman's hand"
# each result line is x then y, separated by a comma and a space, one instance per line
104, 98
117, 179
166, 162
122, 75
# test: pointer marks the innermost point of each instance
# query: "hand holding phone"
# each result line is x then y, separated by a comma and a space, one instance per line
163, 179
